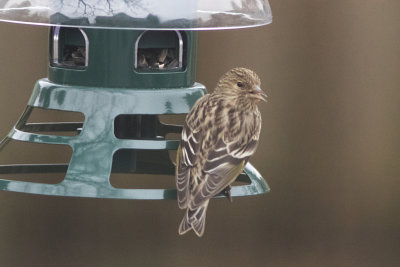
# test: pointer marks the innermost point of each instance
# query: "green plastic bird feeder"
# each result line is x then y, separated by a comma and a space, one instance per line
121, 64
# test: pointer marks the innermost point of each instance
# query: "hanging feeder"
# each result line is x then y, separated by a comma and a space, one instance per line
121, 64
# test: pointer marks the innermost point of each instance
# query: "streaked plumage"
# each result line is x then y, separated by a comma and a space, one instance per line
220, 134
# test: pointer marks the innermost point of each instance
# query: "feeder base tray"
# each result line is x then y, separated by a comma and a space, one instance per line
93, 159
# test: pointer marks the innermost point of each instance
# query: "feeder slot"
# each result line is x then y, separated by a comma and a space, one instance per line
70, 47
51, 122
146, 127
159, 50
142, 181
135, 126
142, 161
31, 162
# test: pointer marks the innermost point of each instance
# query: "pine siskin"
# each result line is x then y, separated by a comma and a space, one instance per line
220, 134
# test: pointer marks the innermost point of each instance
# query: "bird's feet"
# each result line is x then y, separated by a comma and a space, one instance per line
227, 192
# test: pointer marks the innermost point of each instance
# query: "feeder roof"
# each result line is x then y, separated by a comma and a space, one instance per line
139, 14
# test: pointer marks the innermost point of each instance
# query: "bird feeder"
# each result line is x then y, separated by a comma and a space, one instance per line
121, 64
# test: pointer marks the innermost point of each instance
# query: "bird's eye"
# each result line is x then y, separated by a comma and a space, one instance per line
239, 84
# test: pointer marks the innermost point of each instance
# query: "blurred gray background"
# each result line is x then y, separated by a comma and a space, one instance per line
330, 150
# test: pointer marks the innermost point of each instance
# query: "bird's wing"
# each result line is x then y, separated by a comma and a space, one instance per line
225, 162
187, 153
182, 173
186, 158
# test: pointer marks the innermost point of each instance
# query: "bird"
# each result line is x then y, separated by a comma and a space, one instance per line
220, 134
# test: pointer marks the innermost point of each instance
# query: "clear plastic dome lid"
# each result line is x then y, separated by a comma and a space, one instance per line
139, 14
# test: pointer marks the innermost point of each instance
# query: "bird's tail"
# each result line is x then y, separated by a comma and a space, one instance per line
194, 219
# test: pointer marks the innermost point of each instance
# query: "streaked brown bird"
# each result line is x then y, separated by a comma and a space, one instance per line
220, 134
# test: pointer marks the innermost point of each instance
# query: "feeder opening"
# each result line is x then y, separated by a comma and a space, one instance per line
142, 181
70, 47
160, 50
33, 162
142, 161
128, 126
51, 122
150, 127
175, 122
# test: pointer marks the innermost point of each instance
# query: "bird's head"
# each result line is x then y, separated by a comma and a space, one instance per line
243, 83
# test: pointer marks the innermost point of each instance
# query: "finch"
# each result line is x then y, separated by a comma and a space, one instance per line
219, 136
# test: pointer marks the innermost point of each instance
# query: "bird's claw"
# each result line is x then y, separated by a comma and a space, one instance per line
227, 192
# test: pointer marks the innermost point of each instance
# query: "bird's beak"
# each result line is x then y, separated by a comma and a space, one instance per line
259, 93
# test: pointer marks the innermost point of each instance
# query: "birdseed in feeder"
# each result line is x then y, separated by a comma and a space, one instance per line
157, 59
